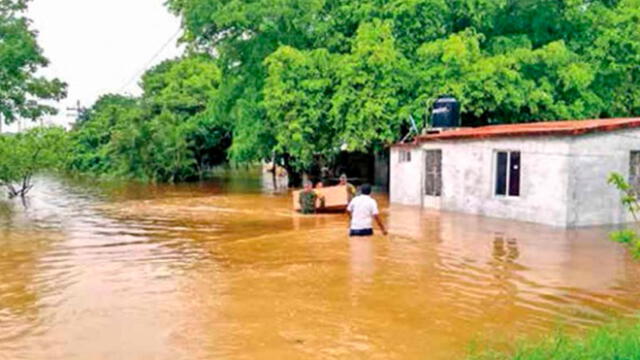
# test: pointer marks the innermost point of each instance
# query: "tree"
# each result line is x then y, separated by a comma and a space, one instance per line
22, 92
182, 86
373, 97
188, 89
510, 81
170, 133
298, 97
91, 138
507, 61
612, 43
319, 104
299, 80
28, 153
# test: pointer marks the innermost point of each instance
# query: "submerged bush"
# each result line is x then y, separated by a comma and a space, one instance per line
619, 341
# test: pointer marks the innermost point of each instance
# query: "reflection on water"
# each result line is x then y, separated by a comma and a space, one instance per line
361, 263
223, 270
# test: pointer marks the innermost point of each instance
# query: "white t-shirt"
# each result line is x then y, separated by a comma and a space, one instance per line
362, 209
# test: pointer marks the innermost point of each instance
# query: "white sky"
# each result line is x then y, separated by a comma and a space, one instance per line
98, 46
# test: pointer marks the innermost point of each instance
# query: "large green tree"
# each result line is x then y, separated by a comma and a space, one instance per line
319, 104
308, 77
23, 93
303, 80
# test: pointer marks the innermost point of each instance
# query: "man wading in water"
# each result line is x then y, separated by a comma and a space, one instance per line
362, 210
308, 198
344, 181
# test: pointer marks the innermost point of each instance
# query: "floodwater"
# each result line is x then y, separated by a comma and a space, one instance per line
223, 270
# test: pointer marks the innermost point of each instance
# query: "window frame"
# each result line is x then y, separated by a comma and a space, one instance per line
494, 184
404, 156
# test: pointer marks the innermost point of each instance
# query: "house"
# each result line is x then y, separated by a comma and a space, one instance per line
551, 173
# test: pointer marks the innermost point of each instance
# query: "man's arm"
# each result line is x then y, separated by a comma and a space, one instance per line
379, 221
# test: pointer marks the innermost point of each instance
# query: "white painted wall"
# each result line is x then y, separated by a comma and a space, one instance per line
406, 178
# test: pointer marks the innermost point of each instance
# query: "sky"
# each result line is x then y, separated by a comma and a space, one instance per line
102, 46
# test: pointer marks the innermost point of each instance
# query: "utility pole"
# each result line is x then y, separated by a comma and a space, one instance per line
75, 112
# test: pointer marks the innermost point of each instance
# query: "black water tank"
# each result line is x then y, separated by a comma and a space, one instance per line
446, 113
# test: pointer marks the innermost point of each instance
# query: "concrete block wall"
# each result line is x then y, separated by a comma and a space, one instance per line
593, 158
563, 178
406, 177
468, 176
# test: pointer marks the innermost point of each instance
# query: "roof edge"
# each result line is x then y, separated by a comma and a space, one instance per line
551, 128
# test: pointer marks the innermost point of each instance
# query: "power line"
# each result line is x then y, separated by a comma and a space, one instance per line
148, 63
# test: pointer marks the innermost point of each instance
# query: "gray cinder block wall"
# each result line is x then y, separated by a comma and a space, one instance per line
563, 178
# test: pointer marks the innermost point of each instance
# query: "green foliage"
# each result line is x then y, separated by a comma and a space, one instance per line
298, 104
169, 134
629, 196
182, 87
370, 98
629, 199
610, 342
28, 153
92, 149
22, 90
300, 80
626, 236
307, 77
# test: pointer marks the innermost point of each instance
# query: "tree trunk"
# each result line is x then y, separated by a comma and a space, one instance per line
22, 190
295, 177
274, 172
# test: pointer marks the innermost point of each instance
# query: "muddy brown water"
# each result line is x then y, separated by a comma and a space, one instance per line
223, 270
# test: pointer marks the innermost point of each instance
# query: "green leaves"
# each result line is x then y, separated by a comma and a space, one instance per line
185, 86
21, 90
171, 133
629, 199
308, 77
303, 79
297, 101
28, 153
317, 102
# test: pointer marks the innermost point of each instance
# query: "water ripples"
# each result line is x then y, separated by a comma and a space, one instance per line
198, 271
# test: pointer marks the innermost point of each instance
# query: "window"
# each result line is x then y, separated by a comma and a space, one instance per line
507, 173
634, 170
433, 173
405, 156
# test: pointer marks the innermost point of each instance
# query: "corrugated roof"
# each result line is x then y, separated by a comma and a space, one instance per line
550, 128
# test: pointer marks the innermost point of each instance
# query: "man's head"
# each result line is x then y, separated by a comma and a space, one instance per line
319, 185
308, 185
365, 189
343, 179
